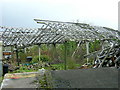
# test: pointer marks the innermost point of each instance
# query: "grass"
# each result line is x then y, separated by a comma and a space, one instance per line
23, 69
43, 82
60, 66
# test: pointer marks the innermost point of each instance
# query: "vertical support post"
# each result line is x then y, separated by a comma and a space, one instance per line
39, 52
65, 55
1, 57
12, 54
25, 50
54, 52
102, 45
87, 50
17, 59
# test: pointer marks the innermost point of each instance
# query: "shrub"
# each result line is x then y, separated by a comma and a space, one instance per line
43, 58
71, 64
35, 59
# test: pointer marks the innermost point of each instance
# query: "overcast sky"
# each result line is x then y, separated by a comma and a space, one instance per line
20, 13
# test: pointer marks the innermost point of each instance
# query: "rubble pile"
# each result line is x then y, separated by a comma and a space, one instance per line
108, 57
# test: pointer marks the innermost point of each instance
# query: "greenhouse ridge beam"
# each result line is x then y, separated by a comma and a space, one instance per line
80, 31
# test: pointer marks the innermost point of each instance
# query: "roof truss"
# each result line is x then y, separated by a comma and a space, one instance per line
55, 32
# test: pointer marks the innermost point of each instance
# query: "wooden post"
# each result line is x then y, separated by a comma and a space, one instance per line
17, 59
39, 52
12, 55
54, 52
54, 45
65, 54
102, 45
1, 57
76, 48
25, 50
87, 50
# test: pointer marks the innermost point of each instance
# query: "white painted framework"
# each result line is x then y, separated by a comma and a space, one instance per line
51, 32
55, 32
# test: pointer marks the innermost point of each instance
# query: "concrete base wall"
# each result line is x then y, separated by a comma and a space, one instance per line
86, 78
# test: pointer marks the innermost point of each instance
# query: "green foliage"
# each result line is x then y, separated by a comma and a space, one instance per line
23, 69
71, 45
22, 56
49, 53
34, 48
43, 58
71, 64
43, 82
35, 59
44, 47
60, 50
79, 54
94, 46
58, 66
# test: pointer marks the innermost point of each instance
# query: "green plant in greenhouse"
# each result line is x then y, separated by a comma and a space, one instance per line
43, 58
